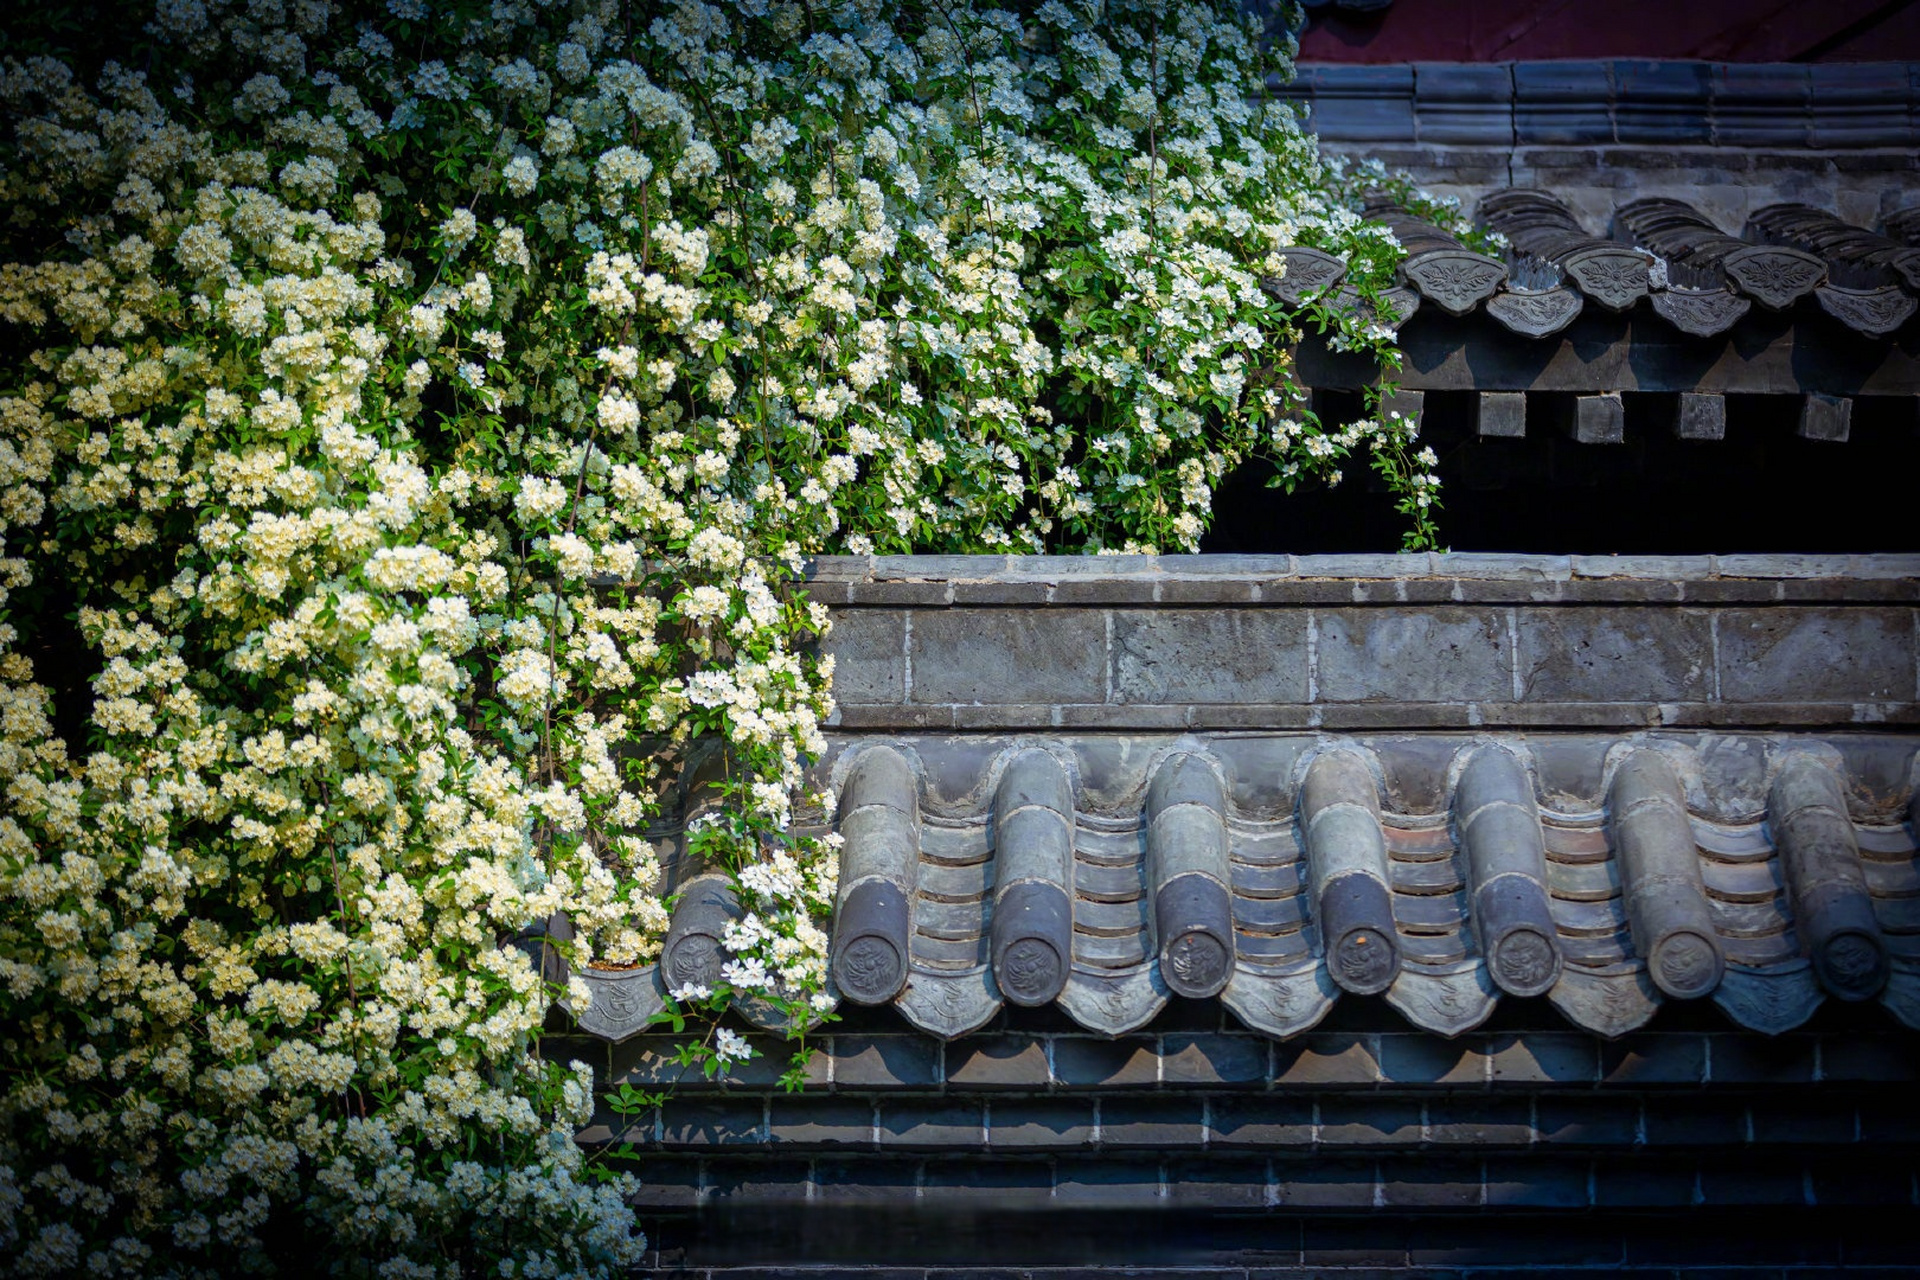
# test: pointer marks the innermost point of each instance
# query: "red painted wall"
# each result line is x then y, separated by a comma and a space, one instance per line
1719, 30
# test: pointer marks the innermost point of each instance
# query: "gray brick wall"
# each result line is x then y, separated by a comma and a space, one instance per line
1358, 642
1362, 1147
906, 1103
1348, 1147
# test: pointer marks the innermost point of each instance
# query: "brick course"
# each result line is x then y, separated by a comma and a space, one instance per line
1421, 641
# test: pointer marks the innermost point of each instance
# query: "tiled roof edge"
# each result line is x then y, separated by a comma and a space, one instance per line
1465, 566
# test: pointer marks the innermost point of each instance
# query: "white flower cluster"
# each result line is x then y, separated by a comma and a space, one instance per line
427, 433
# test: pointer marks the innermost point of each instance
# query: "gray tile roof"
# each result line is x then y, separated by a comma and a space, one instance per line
1109, 873
1697, 276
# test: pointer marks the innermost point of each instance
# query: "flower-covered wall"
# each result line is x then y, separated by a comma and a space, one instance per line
413, 421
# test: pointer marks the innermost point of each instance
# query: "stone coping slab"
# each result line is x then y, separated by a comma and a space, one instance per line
1404, 578
1490, 565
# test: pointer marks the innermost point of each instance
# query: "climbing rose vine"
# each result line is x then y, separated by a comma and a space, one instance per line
413, 420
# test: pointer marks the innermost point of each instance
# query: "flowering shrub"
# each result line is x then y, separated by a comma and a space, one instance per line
412, 423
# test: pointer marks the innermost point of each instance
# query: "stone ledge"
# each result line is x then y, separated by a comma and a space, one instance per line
1384, 715
1236, 653
1406, 578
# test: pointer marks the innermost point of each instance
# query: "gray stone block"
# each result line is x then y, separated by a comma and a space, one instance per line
1008, 655
885, 1062
839, 568
1480, 1122
1536, 1184
1317, 1183
848, 1180
647, 1062
1335, 590
1207, 590
901, 594
1754, 1060
1825, 417
1501, 414
1109, 716
1347, 1121
1084, 1062
1760, 104
1151, 1122
916, 1123
1061, 569
1700, 417
820, 1122
935, 568
1226, 565
1258, 715
1416, 1059
1660, 102
1217, 1184
1541, 1058
1730, 591
1356, 103
1017, 715
1654, 1059
1563, 103
832, 592
1614, 655
1001, 591
1209, 656
713, 1122
672, 1185
1406, 564
1408, 404
1213, 1059
1596, 1122
1503, 566
1039, 1123
1619, 591
1444, 654
1662, 568
869, 649
1326, 1059
1792, 654
1357, 717
1862, 104
885, 716
1097, 591
986, 1186
1107, 1184
1262, 1121
1851, 590
1463, 103
1433, 1184
1600, 419
1783, 566
1884, 566
997, 1062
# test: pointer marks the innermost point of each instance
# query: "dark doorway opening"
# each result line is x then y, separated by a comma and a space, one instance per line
1762, 488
